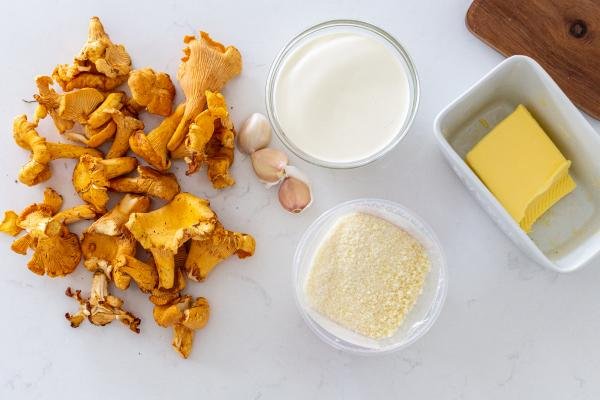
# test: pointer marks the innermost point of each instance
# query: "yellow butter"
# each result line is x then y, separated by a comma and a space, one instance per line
521, 166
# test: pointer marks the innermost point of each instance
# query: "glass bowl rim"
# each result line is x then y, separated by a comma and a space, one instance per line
414, 94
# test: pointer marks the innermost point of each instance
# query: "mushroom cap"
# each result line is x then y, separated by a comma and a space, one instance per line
9, 224
77, 105
91, 182
91, 178
172, 313
100, 64
153, 90
56, 255
100, 251
168, 227
35, 218
206, 254
206, 65
196, 317
183, 340
104, 83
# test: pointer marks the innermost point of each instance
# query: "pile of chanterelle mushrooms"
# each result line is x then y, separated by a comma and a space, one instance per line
184, 237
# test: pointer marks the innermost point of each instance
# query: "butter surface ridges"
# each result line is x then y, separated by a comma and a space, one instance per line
522, 167
539, 206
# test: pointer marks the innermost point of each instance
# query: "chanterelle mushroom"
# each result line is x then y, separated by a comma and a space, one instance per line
186, 316
206, 253
161, 296
67, 108
128, 267
112, 222
42, 152
9, 223
126, 126
208, 135
164, 230
153, 146
56, 250
101, 307
94, 137
150, 182
91, 178
100, 64
102, 114
106, 241
219, 157
152, 90
206, 65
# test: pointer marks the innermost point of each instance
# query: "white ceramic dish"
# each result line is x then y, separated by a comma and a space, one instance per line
568, 236
428, 305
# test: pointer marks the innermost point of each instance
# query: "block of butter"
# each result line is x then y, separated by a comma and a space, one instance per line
521, 166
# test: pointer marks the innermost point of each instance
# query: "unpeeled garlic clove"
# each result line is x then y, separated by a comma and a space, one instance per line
255, 134
295, 194
269, 165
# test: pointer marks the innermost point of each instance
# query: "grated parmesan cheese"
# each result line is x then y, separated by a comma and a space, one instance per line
367, 275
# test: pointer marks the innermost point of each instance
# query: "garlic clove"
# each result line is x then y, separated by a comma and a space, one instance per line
269, 165
255, 134
295, 193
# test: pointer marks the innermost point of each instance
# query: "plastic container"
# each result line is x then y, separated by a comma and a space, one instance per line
567, 236
428, 305
342, 26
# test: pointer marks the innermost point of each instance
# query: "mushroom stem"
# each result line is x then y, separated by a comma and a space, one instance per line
193, 107
119, 166
100, 137
65, 150
100, 116
144, 275
112, 222
26, 136
160, 136
42, 152
153, 146
165, 265
150, 182
75, 214
93, 137
126, 126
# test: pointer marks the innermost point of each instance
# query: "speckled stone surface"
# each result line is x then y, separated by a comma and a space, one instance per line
509, 329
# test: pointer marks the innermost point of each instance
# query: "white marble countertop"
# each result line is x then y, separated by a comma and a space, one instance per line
509, 329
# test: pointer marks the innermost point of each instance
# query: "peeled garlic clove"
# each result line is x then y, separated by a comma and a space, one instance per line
295, 194
269, 165
255, 134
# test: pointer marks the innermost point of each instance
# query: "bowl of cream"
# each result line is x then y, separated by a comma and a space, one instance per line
342, 94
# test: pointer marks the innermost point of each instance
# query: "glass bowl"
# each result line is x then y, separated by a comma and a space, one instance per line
342, 26
419, 319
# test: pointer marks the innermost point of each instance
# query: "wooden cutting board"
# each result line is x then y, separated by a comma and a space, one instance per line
562, 35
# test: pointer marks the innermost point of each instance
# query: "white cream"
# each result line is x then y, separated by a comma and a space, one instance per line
342, 97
